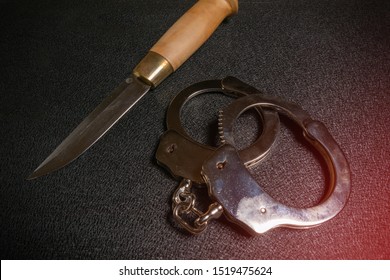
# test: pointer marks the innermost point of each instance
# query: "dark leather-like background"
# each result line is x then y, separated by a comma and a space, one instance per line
59, 59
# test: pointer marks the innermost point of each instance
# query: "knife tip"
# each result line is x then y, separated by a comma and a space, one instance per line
36, 173
32, 176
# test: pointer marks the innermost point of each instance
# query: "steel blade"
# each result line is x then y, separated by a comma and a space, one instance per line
94, 126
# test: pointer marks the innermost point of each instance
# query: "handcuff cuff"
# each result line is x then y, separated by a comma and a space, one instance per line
231, 187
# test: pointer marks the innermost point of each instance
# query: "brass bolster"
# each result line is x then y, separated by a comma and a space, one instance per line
153, 69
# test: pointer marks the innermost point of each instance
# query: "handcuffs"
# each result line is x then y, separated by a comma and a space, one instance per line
233, 190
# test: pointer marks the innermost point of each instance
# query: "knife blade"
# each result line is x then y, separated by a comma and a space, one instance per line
187, 34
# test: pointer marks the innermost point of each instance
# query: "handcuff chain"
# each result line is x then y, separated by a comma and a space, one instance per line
183, 202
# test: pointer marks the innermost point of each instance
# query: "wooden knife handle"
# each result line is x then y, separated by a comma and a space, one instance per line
180, 41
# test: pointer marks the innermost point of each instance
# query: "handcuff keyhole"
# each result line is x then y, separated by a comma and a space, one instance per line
221, 165
171, 148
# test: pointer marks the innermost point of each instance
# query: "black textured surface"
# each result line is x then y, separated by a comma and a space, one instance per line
59, 59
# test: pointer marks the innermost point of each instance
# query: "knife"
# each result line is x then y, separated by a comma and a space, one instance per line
180, 41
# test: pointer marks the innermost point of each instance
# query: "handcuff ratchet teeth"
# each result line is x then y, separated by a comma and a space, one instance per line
245, 202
